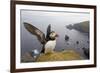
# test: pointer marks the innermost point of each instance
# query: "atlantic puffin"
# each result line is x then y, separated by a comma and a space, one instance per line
48, 42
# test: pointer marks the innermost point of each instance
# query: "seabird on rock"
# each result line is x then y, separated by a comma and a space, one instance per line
48, 42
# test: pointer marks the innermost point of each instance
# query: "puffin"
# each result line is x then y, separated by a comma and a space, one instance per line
48, 41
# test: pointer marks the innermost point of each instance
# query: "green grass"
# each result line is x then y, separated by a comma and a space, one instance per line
59, 56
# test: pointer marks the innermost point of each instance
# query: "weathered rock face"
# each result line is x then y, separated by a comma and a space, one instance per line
82, 26
59, 56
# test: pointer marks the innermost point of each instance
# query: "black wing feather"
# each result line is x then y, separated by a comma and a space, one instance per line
35, 31
48, 32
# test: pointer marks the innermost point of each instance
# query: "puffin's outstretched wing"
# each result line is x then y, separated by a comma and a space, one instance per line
48, 32
35, 31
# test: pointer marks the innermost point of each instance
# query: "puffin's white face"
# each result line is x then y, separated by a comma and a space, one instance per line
53, 35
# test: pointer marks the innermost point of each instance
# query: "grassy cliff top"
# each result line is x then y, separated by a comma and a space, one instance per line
59, 56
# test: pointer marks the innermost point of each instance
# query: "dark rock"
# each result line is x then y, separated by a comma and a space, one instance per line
69, 26
81, 26
67, 43
77, 42
87, 41
66, 37
86, 52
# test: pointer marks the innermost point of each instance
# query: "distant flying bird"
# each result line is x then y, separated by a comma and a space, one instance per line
48, 42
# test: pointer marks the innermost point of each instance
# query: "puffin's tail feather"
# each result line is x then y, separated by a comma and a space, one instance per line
43, 50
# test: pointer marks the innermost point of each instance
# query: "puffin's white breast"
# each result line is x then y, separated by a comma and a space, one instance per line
50, 46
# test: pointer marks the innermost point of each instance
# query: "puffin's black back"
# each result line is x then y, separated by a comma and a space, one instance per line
47, 37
